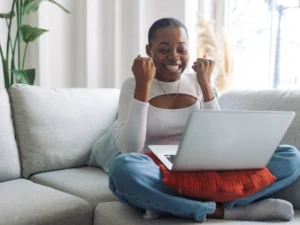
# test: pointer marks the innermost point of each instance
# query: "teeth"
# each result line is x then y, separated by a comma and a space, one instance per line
172, 67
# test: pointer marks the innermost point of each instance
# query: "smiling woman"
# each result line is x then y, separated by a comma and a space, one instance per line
154, 107
155, 104
168, 48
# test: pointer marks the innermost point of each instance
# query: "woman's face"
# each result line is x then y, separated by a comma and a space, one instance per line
169, 50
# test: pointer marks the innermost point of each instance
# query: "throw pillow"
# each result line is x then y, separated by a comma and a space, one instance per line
217, 186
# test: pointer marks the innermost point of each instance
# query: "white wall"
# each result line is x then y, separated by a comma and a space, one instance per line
96, 44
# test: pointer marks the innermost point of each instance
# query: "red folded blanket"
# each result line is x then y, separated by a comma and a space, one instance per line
215, 186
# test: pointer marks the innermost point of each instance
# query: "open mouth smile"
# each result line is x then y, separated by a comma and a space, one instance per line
173, 68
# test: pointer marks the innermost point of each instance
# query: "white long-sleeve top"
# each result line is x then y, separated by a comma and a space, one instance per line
141, 124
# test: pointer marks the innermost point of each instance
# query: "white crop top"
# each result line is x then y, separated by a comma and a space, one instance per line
141, 124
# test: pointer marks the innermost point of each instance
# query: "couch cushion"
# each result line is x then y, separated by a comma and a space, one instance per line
56, 128
115, 213
9, 157
24, 202
88, 183
290, 193
270, 100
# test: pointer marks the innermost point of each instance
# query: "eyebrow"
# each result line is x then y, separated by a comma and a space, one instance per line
167, 43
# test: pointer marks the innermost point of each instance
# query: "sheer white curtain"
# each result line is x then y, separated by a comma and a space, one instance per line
217, 11
91, 47
214, 40
95, 45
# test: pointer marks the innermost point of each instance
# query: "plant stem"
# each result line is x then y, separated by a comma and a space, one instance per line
24, 56
21, 11
1, 53
12, 66
5, 69
12, 76
15, 43
12, 81
9, 28
9, 36
19, 34
8, 42
20, 24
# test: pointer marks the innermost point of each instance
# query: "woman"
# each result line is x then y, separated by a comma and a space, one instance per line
154, 108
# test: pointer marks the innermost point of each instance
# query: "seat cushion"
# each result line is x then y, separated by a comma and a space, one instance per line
56, 128
89, 183
9, 158
24, 202
268, 100
115, 213
291, 193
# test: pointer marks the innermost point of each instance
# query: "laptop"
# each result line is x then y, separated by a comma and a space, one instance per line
226, 140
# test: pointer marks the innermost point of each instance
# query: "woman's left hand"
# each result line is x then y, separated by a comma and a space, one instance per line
204, 68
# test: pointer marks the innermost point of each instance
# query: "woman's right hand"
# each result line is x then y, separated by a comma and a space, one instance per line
144, 71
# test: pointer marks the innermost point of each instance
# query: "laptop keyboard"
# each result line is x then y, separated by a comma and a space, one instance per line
170, 157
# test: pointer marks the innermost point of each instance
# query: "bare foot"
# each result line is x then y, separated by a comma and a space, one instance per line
219, 213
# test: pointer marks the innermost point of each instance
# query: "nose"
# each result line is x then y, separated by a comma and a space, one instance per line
173, 56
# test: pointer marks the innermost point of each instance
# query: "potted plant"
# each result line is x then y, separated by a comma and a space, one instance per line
13, 59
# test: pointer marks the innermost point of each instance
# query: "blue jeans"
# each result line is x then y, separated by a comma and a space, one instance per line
137, 181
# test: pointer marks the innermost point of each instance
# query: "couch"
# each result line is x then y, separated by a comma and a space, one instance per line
45, 140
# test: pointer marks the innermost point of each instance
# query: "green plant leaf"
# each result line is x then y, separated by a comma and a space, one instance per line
30, 33
60, 6
33, 5
30, 6
25, 76
7, 15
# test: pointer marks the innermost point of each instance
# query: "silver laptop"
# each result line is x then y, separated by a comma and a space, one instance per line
226, 140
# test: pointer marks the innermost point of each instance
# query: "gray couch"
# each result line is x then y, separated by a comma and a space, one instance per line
45, 140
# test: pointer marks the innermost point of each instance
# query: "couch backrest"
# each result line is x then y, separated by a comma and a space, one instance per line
56, 128
9, 158
269, 100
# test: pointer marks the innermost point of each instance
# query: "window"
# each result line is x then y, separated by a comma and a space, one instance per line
266, 37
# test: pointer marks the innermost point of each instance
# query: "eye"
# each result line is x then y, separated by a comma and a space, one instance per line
163, 50
182, 50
